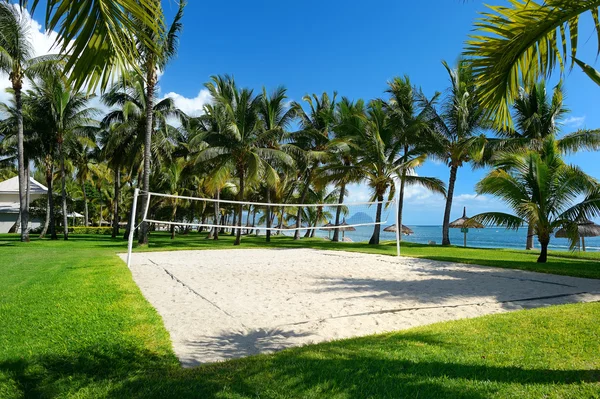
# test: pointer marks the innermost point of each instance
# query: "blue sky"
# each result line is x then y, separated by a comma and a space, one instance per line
352, 47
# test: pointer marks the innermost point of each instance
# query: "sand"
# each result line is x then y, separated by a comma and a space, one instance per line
224, 304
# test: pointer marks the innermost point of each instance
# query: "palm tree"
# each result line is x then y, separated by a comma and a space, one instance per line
99, 35
413, 130
378, 142
520, 43
17, 60
239, 147
129, 99
341, 167
455, 138
312, 140
276, 118
543, 190
154, 57
537, 117
66, 113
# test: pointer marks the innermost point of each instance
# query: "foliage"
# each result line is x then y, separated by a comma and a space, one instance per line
515, 45
542, 190
90, 230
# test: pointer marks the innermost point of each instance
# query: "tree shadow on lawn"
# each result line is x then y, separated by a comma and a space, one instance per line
359, 368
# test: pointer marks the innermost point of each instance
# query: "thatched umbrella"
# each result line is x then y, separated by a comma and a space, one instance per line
344, 227
405, 230
584, 229
328, 227
464, 223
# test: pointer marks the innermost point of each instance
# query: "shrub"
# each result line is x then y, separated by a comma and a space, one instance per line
90, 230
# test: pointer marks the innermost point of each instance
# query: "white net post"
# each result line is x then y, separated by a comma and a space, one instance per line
398, 231
132, 226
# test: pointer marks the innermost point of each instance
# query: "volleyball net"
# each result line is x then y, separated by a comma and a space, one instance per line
329, 220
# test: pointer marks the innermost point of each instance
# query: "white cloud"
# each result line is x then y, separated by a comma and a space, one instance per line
358, 193
470, 197
191, 106
574, 121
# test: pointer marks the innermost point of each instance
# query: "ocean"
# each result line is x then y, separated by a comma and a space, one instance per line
490, 237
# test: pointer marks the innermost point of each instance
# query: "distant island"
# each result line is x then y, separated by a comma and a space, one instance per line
360, 217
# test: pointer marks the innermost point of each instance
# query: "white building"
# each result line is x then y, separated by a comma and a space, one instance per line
9, 202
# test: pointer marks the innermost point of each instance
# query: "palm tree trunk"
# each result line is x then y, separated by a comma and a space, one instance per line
23, 211
47, 221
302, 198
530, 234
115, 231
544, 253
63, 180
446, 225
150, 87
215, 229
268, 214
50, 211
173, 216
401, 202
338, 212
238, 235
28, 195
377, 230
86, 219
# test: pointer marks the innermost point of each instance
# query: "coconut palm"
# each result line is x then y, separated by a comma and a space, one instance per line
341, 167
276, 117
543, 190
239, 147
312, 140
456, 139
66, 113
378, 164
413, 130
536, 117
518, 44
18, 61
154, 57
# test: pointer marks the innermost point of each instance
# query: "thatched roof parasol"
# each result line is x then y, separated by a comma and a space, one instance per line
465, 223
584, 229
462, 222
345, 227
405, 230
329, 226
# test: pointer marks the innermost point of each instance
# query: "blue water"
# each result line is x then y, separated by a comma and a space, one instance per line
491, 237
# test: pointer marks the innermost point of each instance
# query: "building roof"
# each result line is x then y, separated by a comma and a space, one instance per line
11, 186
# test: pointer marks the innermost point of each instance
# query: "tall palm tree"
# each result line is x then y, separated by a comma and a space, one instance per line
413, 130
18, 61
312, 140
276, 117
519, 43
543, 190
129, 99
378, 159
153, 58
456, 139
341, 167
536, 117
239, 147
66, 113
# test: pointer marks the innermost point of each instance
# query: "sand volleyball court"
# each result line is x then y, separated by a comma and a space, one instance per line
223, 304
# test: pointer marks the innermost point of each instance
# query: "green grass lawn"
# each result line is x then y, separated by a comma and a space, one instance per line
74, 324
